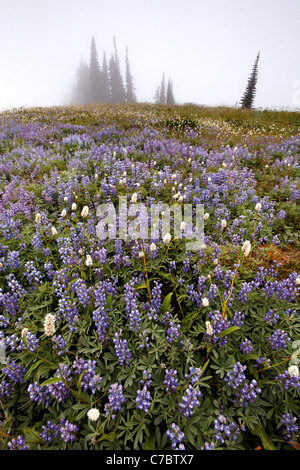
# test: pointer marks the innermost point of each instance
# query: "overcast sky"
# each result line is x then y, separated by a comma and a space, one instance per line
206, 47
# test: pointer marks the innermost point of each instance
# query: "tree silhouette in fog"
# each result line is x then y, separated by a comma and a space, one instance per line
130, 89
96, 84
163, 94
249, 95
117, 89
170, 96
95, 74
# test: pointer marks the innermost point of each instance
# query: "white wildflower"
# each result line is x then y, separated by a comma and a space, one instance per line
24, 332
182, 226
49, 324
206, 216
38, 218
84, 211
298, 281
134, 198
246, 248
224, 223
152, 247
205, 302
209, 329
167, 238
258, 206
54, 231
88, 260
63, 213
293, 371
93, 414
74, 206
141, 254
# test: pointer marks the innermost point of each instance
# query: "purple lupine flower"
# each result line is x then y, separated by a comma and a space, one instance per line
143, 399
246, 346
172, 332
189, 401
68, 430
291, 428
176, 437
18, 444
122, 351
115, 400
170, 381
279, 339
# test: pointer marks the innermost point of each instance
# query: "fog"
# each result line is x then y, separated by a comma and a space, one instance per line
206, 47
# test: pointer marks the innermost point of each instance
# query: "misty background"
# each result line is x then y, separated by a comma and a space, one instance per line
207, 47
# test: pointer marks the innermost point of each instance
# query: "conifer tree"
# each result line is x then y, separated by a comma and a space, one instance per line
170, 97
130, 94
157, 95
95, 74
106, 98
117, 89
81, 93
248, 97
162, 91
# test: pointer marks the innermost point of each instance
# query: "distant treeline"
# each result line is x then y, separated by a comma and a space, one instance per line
104, 83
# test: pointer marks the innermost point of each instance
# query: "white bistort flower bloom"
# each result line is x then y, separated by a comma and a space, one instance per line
209, 329
293, 371
49, 324
206, 216
298, 281
224, 223
74, 206
246, 248
182, 226
63, 213
88, 260
84, 212
141, 254
205, 302
38, 218
93, 414
134, 198
152, 247
54, 231
258, 206
167, 238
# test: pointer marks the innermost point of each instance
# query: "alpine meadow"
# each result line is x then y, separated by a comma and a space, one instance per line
136, 342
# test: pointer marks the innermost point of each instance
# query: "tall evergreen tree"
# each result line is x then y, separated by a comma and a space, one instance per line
162, 91
106, 98
81, 93
130, 90
117, 89
95, 73
170, 96
157, 95
248, 97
